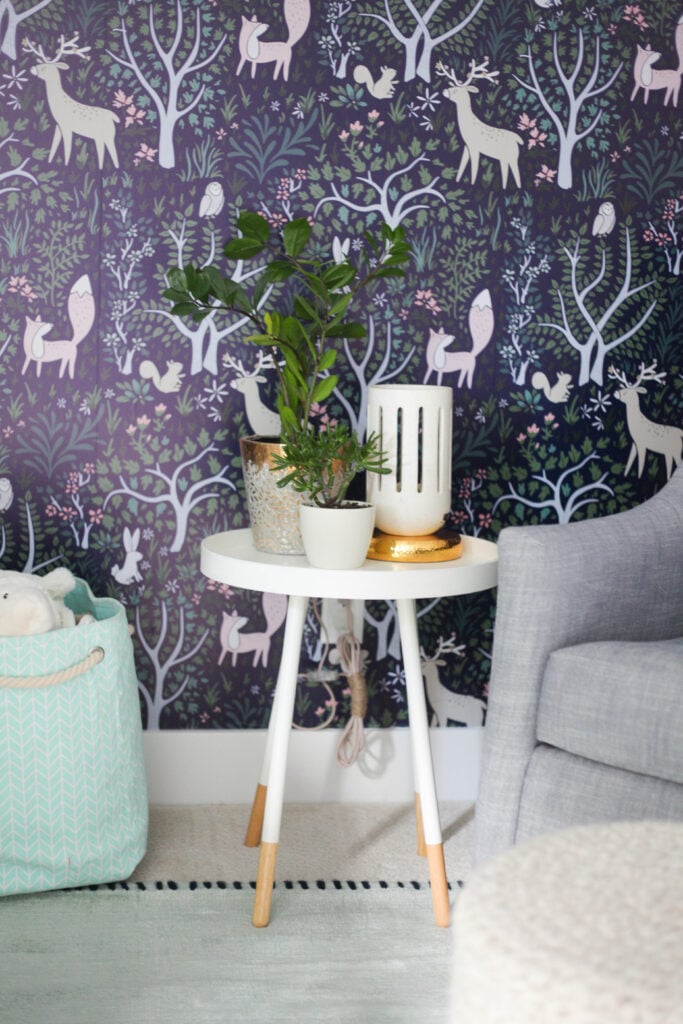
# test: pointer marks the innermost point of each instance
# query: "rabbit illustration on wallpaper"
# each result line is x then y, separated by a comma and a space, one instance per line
39, 349
129, 572
297, 16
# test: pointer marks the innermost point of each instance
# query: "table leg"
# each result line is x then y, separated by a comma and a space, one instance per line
421, 848
422, 756
255, 826
280, 727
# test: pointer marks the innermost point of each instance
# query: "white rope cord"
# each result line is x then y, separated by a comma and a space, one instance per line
352, 739
322, 676
53, 678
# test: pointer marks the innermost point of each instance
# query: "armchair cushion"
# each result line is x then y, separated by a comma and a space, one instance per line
617, 703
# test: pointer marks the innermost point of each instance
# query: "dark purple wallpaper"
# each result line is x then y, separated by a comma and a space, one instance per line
550, 184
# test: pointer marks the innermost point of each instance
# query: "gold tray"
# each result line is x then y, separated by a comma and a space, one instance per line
442, 546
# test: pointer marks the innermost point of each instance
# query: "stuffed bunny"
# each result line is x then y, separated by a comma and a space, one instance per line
34, 604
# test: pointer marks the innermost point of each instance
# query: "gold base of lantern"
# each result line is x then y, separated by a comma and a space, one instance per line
442, 546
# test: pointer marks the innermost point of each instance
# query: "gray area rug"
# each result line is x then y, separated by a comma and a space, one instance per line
343, 954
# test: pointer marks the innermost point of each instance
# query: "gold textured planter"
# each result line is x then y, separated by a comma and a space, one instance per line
273, 511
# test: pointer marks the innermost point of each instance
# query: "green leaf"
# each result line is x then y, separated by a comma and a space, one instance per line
304, 309
177, 279
327, 360
288, 418
341, 304
324, 388
293, 367
254, 226
278, 270
242, 248
295, 234
339, 276
184, 309
348, 330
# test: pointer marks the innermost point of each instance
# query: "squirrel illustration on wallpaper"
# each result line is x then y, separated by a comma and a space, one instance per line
39, 349
646, 77
167, 382
381, 89
557, 392
297, 15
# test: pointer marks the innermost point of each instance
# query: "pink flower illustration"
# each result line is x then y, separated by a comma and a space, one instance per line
133, 115
145, 152
545, 174
121, 100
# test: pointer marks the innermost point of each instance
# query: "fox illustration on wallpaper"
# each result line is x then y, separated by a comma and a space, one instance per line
297, 16
38, 349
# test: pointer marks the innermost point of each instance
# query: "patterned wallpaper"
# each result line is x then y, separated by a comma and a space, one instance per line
531, 150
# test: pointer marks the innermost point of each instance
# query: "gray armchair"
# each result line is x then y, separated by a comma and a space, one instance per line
585, 715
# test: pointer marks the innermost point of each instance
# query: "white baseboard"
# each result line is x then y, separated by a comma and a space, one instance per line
202, 767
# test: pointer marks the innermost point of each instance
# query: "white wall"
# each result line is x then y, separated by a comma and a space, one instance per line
201, 767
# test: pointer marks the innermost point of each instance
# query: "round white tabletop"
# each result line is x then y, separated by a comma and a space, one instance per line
231, 558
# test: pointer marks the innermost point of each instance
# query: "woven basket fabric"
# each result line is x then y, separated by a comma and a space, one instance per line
73, 799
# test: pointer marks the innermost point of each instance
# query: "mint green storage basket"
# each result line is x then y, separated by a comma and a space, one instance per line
73, 794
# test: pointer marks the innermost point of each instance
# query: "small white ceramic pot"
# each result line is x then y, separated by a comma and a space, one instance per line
337, 538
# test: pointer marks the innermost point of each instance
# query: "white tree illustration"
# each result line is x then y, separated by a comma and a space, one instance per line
155, 700
599, 336
392, 210
561, 499
122, 263
564, 106
419, 44
15, 172
10, 20
520, 279
176, 491
357, 410
205, 337
166, 90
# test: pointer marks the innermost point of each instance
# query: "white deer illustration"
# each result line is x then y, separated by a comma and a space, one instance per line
262, 421
647, 435
71, 117
481, 139
448, 706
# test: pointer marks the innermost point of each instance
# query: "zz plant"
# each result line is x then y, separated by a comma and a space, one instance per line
298, 306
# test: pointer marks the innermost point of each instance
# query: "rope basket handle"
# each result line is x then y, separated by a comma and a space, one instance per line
53, 678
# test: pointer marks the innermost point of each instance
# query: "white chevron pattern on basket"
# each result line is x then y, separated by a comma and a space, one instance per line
73, 799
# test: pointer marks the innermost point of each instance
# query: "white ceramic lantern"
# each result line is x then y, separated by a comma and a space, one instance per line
414, 423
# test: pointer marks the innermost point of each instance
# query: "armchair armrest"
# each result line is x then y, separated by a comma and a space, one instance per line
616, 577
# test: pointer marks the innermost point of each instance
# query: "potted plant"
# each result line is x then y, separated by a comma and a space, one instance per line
298, 307
320, 465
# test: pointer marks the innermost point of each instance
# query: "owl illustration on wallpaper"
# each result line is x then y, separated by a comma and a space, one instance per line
212, 201
6, 493
605, 219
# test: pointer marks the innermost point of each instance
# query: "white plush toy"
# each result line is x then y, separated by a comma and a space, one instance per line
34, 604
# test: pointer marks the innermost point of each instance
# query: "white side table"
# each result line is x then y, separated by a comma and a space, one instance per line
231, 558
